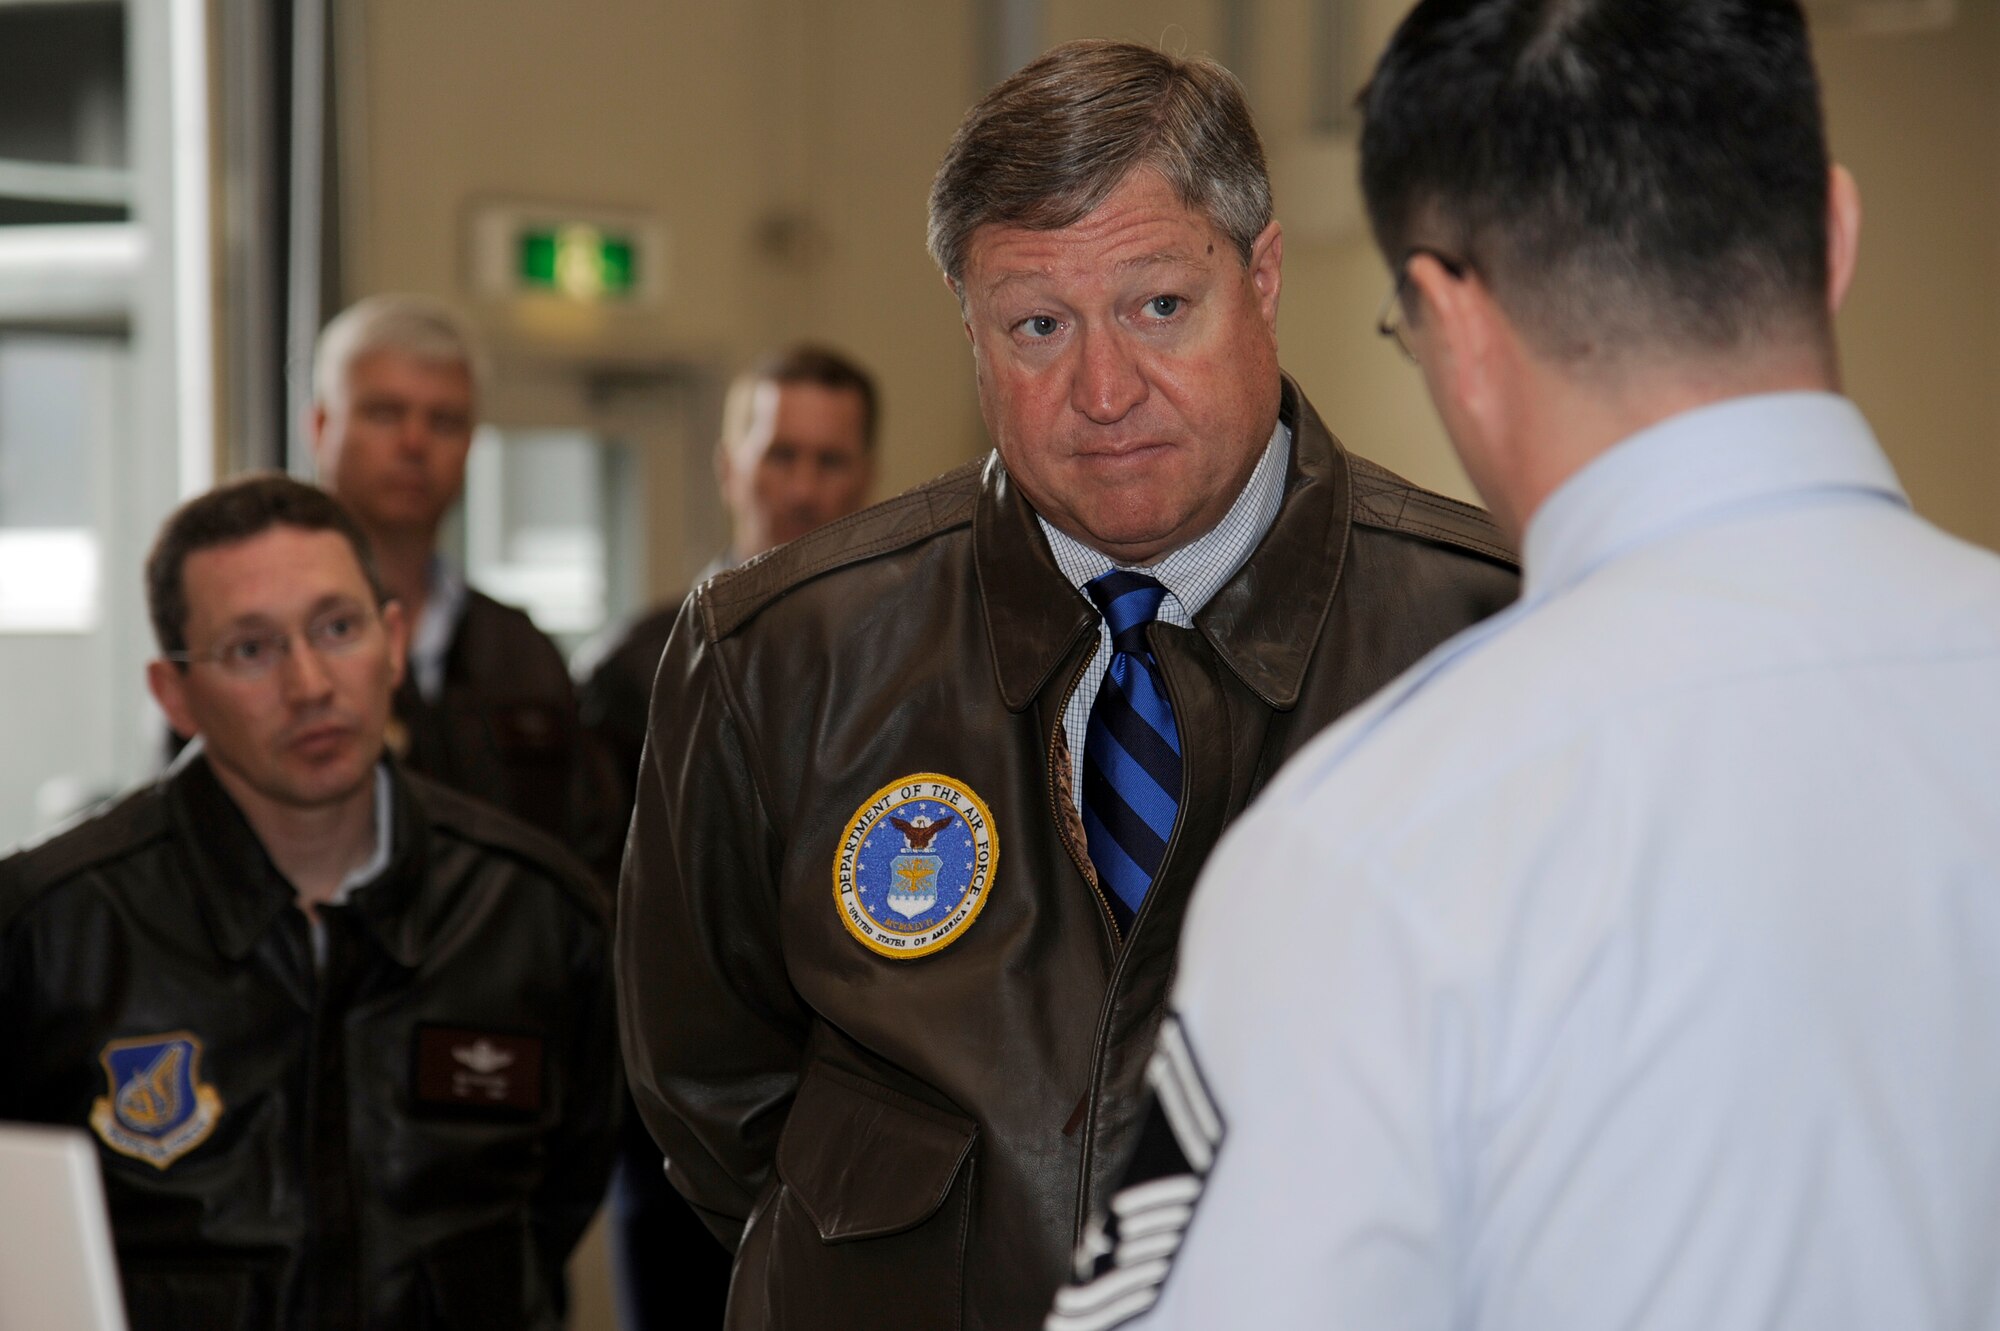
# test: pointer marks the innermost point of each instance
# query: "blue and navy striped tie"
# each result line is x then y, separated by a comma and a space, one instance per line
1131, 749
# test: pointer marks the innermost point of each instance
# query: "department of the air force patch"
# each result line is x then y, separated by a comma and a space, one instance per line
158, 1108
914, 865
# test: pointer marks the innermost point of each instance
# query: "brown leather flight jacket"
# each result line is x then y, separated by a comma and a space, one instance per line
917, 1142
504, 729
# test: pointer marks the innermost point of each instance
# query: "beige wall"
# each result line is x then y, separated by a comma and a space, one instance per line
788, 146
1917, 119
880, 89
590, 103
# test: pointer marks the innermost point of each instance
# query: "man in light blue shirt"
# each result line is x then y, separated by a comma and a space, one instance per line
1634, 960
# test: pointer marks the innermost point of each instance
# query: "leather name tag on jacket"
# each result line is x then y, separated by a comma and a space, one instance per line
459, 1068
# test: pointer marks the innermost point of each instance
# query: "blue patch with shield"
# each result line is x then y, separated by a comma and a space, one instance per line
158, 1108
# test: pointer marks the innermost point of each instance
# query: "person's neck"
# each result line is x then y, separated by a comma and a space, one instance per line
1570, 422
315, 848
404, 560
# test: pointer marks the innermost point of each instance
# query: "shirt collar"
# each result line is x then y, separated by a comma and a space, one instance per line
1696, 468
1194, 572
239, 889
430, 637
385, 826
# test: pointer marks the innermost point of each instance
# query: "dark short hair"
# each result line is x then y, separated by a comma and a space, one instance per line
1047, 145
236, 511
801, 363
1620, 173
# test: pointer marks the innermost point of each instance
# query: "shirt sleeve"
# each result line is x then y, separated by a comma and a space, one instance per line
713, 1031
1296, 1168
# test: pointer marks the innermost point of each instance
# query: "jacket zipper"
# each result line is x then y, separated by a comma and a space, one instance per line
1062, 823
1082, 1217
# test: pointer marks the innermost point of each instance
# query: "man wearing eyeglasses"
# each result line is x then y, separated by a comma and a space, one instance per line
486, 705
1641, 965
343, 1037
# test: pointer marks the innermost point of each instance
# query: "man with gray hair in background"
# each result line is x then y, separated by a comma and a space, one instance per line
926, 789
486, 706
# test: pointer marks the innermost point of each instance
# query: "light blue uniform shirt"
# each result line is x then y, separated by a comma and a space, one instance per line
1634, 960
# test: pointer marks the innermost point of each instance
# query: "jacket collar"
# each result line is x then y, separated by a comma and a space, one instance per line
388, 905
1264, 622
1034, 618
241, 892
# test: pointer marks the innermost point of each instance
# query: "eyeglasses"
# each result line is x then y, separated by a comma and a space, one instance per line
1393, 319
333, 633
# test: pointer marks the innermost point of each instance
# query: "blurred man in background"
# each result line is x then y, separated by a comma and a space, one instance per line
486, 705
797, 451
1635, 962
343, 1036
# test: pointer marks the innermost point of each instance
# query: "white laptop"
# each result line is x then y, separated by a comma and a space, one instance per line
56, 1264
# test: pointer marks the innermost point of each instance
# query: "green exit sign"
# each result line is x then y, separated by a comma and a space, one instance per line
583, 262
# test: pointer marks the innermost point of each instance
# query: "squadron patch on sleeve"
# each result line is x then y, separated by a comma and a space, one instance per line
158, 1108
914, 865
1124, 1258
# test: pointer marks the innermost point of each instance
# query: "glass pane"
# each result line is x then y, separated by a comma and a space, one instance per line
62, 83
71, 696
545, 514
53, 424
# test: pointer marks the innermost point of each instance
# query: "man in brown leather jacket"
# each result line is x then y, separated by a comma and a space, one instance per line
900, 908
344, 1038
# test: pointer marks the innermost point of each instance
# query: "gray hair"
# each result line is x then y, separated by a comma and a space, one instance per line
1046, 146
413, 326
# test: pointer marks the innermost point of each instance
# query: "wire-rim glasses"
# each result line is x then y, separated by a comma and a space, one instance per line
1393, 319
336, 632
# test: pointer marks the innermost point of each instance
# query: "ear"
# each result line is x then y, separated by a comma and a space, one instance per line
316, 436
1267, 271
168, 685
1459, 331
396, 629
723, 468
1843, 233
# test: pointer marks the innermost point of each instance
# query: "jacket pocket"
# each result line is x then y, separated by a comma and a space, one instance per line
198, 1295
867, 1227
480, 1281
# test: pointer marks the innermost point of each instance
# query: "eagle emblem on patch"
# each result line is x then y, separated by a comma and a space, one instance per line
915, 864
158, 1108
